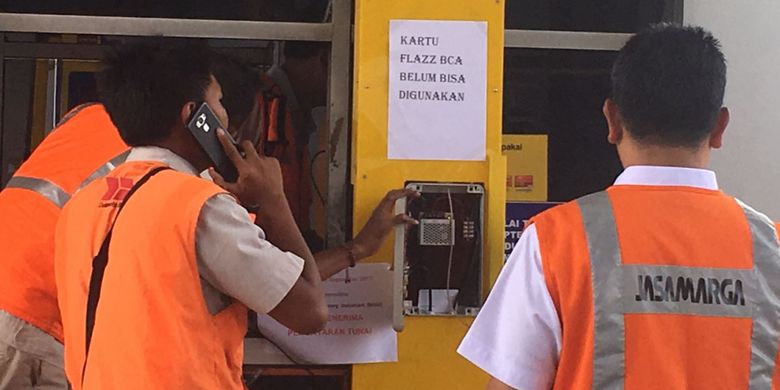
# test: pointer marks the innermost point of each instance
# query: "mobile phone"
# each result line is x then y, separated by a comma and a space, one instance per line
204, 124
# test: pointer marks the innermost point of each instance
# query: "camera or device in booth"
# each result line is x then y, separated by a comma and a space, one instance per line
439, 262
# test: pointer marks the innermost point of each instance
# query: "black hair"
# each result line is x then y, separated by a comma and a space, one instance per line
304, 49
240, 83
145, 84
668, 83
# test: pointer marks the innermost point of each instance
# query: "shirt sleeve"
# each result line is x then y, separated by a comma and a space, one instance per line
516, 338
234, 257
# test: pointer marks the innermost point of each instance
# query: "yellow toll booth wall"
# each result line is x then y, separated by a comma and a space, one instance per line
426, 348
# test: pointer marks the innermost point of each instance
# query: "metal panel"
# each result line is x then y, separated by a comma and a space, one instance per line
262, 351
82, 51
339, 121
55, 50
52, 96
109, 25
564, 40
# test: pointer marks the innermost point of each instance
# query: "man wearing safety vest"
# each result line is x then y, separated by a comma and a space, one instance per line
155, 267
82, 148
30, 327
659, 282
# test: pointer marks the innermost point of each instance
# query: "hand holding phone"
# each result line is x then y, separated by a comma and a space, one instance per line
204, 124
259, 182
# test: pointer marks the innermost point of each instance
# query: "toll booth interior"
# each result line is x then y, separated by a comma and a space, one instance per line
40, 87
557, 61
45, 75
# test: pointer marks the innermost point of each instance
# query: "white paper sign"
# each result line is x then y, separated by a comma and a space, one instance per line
437, 90
360, 327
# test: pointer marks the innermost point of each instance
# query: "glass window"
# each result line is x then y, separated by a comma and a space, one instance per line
18, 101
560, 93
46, 75
625, 16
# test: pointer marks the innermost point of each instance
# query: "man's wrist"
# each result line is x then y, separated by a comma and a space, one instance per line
273, 196
271, 203
274, 214
355, 251
351, 257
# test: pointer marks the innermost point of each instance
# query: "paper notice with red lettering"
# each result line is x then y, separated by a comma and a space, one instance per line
360, 325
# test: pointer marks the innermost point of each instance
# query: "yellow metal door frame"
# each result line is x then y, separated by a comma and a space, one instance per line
427, 357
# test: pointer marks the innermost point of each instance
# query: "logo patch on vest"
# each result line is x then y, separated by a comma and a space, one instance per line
687, 290
118, 187
707, 291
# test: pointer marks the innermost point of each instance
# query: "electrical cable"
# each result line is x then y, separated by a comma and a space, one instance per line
313, 179
328, 12
452, 250
455, 202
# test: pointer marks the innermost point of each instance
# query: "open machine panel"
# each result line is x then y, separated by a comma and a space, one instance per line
438, 263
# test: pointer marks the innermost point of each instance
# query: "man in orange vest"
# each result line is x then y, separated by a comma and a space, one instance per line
82, 148
660, 282
155, 267
253, 103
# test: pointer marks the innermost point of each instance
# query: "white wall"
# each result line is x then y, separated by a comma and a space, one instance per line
748, 166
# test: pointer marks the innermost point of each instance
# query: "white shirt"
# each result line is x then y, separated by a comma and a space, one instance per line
234, 259
516, 338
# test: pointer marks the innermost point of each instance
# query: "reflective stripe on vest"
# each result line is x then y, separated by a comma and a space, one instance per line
55, 193
619, 289
106, 168
73, 113
43, 187
766, 319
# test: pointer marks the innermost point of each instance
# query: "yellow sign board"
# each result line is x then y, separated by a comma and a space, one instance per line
526, 163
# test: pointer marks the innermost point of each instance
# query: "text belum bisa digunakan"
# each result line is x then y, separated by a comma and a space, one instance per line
429, 77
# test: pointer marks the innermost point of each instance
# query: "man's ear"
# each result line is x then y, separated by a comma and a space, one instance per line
186, 112
716, 136
614, 121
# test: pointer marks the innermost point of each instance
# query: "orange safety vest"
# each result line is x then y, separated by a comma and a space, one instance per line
663, 288
83, 147
280, 141
150, 326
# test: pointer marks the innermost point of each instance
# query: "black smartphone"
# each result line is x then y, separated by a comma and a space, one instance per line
203, 125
